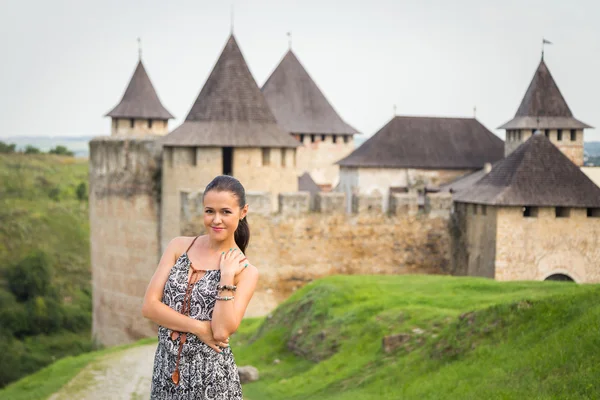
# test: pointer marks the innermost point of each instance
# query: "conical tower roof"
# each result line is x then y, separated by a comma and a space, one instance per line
140, 99
537, 173
230, 110
298, 103
543, 105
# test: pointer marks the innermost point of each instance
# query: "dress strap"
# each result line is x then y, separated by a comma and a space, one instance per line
191, 244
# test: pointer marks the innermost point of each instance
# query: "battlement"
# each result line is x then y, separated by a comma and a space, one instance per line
436, 205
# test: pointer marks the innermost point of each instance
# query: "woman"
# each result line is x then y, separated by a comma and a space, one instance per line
198, 296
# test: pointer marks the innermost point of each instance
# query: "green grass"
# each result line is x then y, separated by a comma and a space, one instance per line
49, 380
533, 340
479, 339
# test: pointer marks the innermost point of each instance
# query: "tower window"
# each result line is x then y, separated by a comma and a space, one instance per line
149, 123
530, 212
322, 138
573, 135
227, 160
334, 138
593, 212
131, 122
346, 137
475, 209
547, 133
266, 157
283, 157
520, 134
559, 135
562, 212
301, 138
483, 209
312, 138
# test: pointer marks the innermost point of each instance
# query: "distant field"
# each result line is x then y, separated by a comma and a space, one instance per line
77, 144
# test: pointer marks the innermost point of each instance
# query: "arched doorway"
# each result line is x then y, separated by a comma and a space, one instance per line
559, 277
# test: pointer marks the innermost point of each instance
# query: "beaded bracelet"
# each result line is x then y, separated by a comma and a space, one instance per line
220, 288
224, 298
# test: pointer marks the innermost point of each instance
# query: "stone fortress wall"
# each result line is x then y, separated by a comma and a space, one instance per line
291, 243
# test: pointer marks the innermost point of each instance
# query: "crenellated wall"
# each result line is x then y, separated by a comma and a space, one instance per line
292, 244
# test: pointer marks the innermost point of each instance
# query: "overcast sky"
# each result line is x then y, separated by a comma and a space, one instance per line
66, 63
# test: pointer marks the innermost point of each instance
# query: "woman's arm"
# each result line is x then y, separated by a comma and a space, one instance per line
153, 307
228, 314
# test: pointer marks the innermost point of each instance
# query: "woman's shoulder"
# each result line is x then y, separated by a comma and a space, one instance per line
183, 242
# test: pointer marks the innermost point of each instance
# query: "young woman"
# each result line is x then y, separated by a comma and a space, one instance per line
198, 296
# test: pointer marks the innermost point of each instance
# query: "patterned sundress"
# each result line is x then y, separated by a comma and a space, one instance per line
204, 374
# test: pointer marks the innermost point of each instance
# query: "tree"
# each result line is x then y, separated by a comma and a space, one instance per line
7, 148
29, 149
31, 276
61, 151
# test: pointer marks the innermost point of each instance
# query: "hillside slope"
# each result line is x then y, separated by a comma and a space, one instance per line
457, 338
465, 338
45, 274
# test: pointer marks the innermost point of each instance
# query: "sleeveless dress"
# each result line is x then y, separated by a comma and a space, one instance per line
204, 373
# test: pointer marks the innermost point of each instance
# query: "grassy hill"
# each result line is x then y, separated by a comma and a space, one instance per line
465, 338
458, 338
45, 308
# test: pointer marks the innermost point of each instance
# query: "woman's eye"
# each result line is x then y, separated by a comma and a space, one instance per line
208, 211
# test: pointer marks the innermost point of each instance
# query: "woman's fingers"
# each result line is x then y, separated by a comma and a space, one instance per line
216, 348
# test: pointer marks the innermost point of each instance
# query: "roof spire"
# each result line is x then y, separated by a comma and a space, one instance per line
395, 110
232, 18
544, 42
289, 35
474, 111
139, 40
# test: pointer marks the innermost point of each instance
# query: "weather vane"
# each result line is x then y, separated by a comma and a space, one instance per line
544, 42
139, 40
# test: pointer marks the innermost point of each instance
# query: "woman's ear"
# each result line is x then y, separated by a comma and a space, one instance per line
244, 212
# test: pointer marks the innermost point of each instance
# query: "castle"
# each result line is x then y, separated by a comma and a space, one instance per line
146, 184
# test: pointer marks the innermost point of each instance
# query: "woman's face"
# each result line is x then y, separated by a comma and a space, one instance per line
222, 214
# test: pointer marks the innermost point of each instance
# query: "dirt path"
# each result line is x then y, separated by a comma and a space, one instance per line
125, 375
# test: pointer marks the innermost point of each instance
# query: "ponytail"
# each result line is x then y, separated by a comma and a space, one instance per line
242, 234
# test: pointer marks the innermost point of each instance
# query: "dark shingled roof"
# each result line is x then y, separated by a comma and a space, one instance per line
463, 182
307, 184
298, 103
535, 174
430, 143
140, 99
543, 106
230, 110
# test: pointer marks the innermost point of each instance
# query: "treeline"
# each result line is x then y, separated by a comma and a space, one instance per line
29, 149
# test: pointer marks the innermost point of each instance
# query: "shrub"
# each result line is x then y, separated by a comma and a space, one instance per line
30, 277
29, 149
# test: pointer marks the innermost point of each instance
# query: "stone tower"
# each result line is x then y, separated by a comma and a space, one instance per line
230, 130
301, 109
140, 110
124, 198
544, 108
534, 216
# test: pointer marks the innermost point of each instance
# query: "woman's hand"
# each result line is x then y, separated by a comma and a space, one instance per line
205, 334
233, 262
